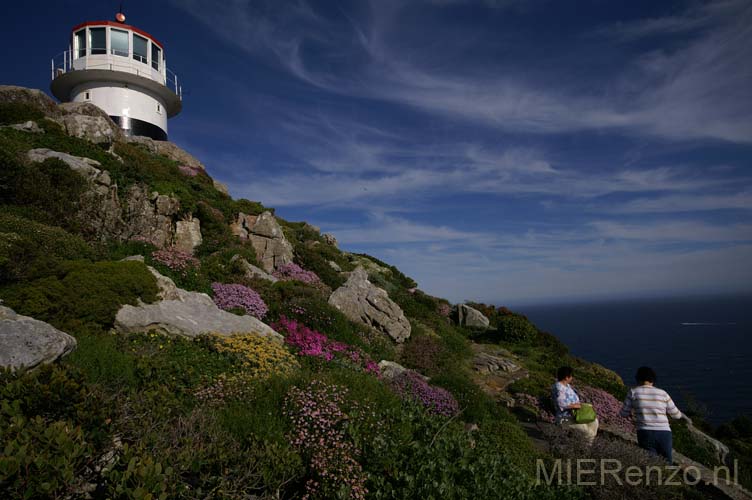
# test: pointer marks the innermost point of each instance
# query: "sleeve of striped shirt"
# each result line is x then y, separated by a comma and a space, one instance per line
561, 398
626, 409
671, 408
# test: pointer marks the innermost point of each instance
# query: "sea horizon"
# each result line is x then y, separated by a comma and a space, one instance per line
700, 345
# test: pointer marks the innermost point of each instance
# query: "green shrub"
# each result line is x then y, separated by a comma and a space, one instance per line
475, 405
81, 294
50, 187
397, 277
16, 112
316, 258
137, 476
40, 459
516, 328
509, 437
219, 266
29, 250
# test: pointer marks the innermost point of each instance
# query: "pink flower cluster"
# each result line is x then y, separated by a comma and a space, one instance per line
606, 407
292, 271
537, 404
319, 432
239, 296
410, 385
189, 171
175, 259
309, 342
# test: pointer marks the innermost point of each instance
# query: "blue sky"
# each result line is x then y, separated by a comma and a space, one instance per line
495, 150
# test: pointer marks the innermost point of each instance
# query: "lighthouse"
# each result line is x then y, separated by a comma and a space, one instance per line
122, 70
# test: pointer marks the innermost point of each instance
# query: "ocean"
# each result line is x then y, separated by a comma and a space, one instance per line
701, 348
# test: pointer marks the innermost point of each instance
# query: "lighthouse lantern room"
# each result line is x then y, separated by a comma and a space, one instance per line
122, 70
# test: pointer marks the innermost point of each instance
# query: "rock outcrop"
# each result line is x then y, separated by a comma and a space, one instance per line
33, 97
87, 121
467, 316
142, 215
26, 342
252, 271
148, 216
187, 235
329, 239
169, 150
360, 300
185, 313
268, 240
489, 363
28, 127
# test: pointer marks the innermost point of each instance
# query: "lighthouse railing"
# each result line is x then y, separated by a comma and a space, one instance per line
65, 62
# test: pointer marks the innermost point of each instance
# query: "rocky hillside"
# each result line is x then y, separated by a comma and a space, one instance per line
160, 339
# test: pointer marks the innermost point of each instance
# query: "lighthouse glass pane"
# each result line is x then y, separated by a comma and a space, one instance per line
156, 56
119, 42
140, 46
80, 41
98, 38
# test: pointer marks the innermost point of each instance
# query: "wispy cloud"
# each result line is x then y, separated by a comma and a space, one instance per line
698, 90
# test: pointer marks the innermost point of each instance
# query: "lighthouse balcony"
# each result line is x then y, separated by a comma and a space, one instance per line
104, 52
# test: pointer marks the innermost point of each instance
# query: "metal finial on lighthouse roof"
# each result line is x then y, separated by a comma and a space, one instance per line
120, 17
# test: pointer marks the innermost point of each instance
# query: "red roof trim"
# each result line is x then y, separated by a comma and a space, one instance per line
121, 26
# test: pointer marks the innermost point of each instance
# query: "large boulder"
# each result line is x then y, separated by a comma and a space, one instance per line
33, 97
185, 313
362, 301
26, 342
468, 316
90, 122
251, 271
268, 240
188, 235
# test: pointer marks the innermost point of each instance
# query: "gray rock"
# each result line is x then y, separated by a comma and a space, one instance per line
221, 187
33, 97
28, 127
252, 271
87, 121
488, 363
188, 235
26, 342
360, 300
335, 266
147, 216
86, 167
268, 240
329, 239
467, 316
390, 370
186, 313
241, 227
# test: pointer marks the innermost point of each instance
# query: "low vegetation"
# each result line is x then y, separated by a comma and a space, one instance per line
156, 416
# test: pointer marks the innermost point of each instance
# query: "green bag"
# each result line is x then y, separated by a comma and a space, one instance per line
585, 414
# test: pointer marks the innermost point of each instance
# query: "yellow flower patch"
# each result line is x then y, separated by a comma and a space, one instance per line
260, 357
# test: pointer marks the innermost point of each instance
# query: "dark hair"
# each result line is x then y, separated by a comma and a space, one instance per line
564, 372
645, 374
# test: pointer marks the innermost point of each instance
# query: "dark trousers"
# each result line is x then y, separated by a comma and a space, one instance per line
657, 443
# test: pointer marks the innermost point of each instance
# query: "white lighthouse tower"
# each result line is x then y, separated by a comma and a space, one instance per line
123, 70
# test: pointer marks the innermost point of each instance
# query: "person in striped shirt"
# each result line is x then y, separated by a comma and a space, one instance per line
651, 407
